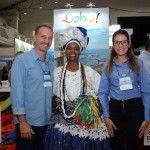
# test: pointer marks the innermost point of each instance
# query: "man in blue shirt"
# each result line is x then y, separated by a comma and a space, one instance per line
145, 57
31, 91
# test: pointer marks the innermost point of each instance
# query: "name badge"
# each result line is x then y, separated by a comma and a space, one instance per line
46, 77
47, 81
125, 83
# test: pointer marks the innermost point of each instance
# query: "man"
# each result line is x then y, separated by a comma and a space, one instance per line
31, 91
145, 56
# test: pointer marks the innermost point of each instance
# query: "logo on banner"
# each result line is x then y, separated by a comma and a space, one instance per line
81, 18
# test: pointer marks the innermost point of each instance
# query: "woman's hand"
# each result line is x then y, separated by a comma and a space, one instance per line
143, 127
110, 126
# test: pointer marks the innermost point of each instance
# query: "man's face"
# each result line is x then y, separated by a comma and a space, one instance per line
43, 39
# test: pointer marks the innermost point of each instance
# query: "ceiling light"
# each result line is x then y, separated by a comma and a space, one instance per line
40, 7
90, 4
25, 13
56, 2
69, 5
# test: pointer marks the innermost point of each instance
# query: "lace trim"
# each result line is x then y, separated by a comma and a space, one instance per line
101, 133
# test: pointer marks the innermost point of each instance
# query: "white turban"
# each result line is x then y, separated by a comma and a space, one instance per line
74, 34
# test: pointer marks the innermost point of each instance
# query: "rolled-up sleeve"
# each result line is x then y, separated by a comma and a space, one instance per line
18, 74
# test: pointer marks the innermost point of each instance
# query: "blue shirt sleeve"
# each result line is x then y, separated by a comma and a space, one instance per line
103, 92
18, 74
145, 90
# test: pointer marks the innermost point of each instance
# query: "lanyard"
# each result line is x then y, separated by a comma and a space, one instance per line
119, 73
44, 71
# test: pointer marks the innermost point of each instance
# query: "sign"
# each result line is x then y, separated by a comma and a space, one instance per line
0, 126
8, 133
96, 21
147, 136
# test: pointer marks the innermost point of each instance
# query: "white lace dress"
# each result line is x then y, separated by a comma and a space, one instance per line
73, 134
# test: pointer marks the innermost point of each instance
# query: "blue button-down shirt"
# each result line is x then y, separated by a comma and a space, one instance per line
109, 87
145, 57
28, 94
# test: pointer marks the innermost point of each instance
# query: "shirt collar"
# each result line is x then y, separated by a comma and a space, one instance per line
147, 53
36, 56
126, 62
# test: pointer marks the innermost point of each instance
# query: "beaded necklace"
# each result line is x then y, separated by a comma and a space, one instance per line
81, 87
63, 88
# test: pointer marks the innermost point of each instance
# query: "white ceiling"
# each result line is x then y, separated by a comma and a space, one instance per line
28, 22
8, 7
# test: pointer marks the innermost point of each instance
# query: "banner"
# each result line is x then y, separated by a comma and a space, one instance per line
147, 136
0, 126
22, 46
96, 21
8, 133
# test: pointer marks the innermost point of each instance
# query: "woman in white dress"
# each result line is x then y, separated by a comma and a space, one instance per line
76, 122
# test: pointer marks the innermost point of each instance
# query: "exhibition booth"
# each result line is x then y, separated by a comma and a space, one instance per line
96, 21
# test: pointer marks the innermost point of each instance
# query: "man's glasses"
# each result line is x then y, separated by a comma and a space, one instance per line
124, 43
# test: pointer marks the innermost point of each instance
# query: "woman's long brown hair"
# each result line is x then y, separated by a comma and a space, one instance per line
133, 61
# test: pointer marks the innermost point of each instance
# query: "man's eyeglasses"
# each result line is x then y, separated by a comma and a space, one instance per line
124, 43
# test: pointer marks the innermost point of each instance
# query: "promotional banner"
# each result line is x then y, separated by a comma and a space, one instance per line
22, 46
96, 21
147, 137
8, 133
0, 126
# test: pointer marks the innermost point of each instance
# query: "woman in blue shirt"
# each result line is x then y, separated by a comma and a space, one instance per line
125, 82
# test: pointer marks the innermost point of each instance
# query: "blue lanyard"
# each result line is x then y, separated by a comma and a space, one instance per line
119, 73
44, 72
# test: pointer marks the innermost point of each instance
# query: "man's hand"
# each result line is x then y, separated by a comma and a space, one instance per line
25, 129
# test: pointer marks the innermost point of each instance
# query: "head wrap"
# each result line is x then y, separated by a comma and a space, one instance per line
74, 34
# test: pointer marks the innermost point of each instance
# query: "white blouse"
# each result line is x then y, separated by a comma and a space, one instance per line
73, 83
73, 87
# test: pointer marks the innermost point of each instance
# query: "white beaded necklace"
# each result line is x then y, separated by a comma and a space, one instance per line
63, 89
